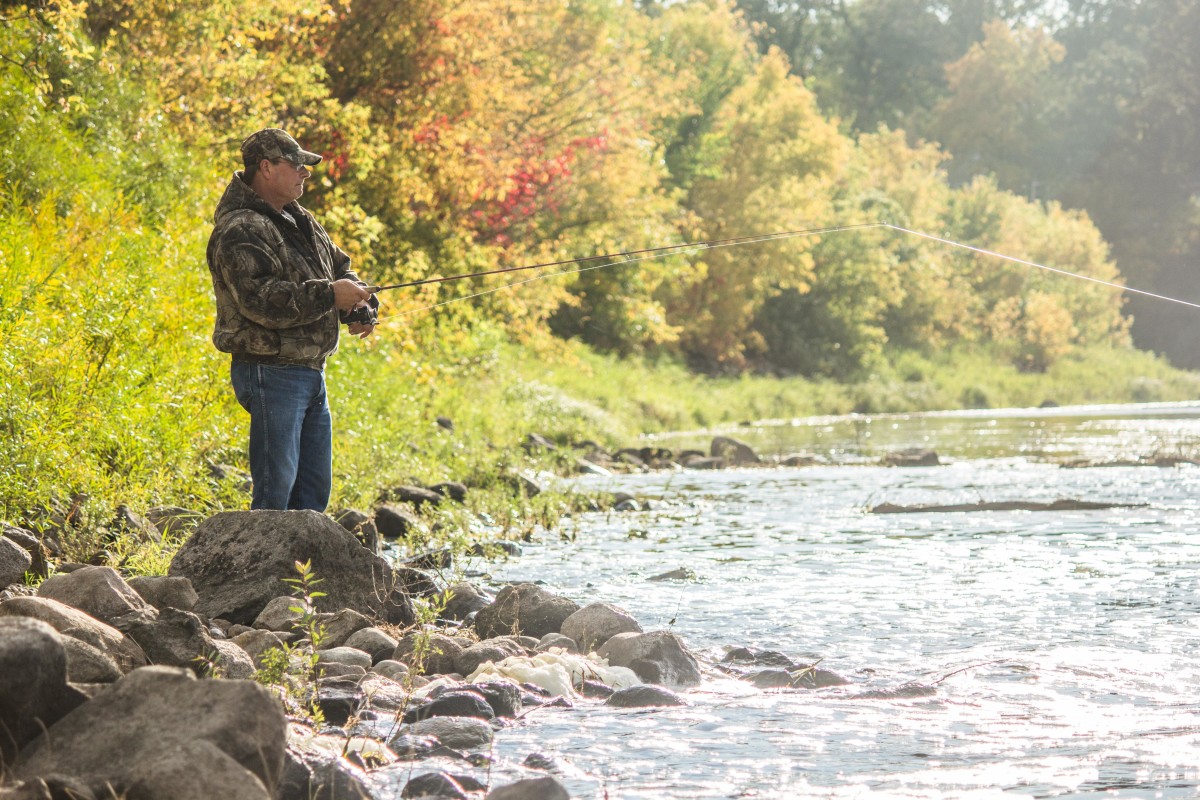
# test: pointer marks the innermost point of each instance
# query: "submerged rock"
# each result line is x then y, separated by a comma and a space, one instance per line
644, 696
546, 788
733, 451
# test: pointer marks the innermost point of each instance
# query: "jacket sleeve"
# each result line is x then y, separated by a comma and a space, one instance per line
256, 279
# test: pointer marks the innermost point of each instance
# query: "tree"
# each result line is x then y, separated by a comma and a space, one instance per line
999, 117
766, 163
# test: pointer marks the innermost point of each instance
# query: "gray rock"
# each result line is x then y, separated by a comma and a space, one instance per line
100, 592
135, 724
75, 624
237, 561
88, 664
279, 614
15, 561
644, 696
657, 657
362, 526
345, 655
175, 639
494, 650
504, 696
703, 462
232, 661
333, 669
460, 733
256, 643
33, 684
163, 592
681, 574
526, 609
545, 788
429, 654
339, 626
373, 641
389, 668
434, 784
453, 703
197, 770
416, 496
552, 640
383, 694
32, 544
340, 698
463, 600
733, 451
593, 625
451, 489
912, 457
395, 521
313, 773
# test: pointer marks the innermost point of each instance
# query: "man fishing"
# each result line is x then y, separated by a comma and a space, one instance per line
282, 290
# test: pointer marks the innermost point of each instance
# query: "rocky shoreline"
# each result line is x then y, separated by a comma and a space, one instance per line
283, 657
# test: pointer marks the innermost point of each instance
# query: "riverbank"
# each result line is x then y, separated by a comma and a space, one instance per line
981, 638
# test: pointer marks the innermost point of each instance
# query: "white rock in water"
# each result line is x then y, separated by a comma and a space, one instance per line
556, 671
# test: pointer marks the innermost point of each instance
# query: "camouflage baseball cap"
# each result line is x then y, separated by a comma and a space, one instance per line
274, 144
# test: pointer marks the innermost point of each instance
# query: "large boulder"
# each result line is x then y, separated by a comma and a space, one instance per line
593, 625
129, 736
657, 657
524, 609
33, 684
77, 627
100, 592
237, 562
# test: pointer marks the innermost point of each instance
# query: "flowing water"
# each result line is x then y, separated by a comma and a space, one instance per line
1063, 647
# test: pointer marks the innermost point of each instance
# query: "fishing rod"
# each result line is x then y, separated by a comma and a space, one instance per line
651, 253
628, 254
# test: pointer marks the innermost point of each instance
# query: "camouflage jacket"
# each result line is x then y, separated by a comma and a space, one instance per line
273, 281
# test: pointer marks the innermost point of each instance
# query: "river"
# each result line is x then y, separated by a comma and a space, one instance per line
1062, 646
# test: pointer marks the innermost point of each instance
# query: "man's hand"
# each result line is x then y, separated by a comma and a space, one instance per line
360, 330
348, 295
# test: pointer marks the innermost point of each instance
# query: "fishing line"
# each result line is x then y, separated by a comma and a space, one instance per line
690, 248
647, 254
1015, 260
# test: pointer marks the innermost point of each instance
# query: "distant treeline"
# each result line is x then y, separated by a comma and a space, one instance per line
1094, 103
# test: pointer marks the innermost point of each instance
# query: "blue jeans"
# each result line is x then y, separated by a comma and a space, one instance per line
291, 435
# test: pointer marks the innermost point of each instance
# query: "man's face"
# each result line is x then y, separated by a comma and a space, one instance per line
284, 180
